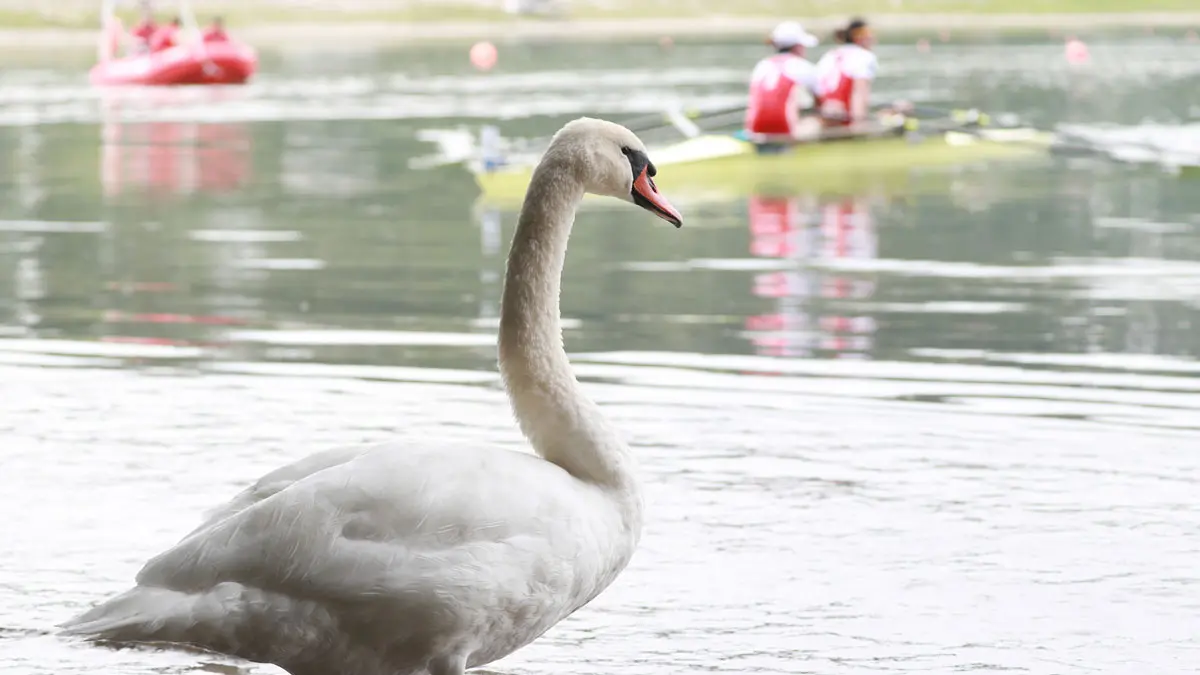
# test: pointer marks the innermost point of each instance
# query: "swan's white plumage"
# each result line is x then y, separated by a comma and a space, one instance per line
395, 559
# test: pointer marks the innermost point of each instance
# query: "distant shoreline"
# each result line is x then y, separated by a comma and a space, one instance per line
352, 33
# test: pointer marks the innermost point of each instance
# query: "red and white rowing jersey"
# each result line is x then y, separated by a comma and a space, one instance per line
774, 94
837, 72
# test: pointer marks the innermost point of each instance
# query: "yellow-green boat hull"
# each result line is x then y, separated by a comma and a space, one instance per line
716, 167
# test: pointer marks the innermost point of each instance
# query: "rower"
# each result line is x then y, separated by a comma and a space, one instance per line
782, 84
144, 30
845, 74
165, 37
216, 31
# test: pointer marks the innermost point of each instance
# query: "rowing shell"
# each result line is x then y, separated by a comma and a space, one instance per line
720, 166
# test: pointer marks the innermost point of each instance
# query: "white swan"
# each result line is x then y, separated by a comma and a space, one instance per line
400, 560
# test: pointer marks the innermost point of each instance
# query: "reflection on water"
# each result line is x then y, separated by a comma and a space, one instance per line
162, 159
948, 427
800, 230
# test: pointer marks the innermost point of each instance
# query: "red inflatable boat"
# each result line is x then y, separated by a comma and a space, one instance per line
198, 63
192, 59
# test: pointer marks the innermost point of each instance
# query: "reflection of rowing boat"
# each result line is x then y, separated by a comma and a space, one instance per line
725, 164
812, 310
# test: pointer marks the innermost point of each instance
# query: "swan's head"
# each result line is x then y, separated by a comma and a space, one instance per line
611, 160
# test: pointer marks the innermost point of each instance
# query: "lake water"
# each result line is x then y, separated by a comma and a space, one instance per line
949, 428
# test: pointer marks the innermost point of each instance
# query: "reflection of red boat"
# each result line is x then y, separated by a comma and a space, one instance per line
169, 158
200, 63
178, 158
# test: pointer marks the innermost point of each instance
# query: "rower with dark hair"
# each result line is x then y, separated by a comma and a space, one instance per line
144, 30
845, 74
216, 31
166, 36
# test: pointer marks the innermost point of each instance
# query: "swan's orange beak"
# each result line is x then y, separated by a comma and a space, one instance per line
647, 196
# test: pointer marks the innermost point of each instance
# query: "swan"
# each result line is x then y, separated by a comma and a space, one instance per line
426, 560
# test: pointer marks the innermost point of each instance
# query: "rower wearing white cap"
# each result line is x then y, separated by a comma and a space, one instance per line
782, 84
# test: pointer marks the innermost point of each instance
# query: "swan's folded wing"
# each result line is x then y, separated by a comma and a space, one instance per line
278, 480
379, 522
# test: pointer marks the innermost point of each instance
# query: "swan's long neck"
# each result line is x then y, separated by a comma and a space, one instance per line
562, 424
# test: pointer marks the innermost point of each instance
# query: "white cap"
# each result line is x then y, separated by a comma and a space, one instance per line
790, 33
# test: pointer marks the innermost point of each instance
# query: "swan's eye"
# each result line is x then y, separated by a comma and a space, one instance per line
638, 162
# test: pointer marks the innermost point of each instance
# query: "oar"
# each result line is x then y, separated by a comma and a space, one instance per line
662, 119
718, 120
967, 121
972, 122
732, 115
918, 128
685, 122
873, 129
850, 132
1033, 138
961, 115
711, 118
675, 118
725, 119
